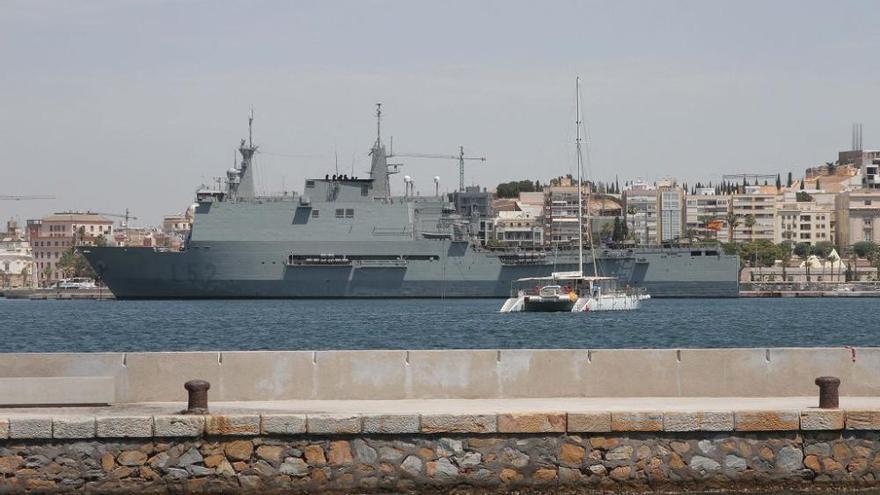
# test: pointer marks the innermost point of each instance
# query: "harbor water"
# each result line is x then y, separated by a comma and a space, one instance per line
94, 326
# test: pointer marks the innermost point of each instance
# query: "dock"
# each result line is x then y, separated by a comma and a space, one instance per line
102, 293
809, 293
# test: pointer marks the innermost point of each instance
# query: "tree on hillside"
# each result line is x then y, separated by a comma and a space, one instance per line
732, 223
778, 182
789, 182
803, 249
864, 249
513, 188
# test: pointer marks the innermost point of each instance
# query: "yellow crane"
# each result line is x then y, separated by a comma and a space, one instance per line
460, 157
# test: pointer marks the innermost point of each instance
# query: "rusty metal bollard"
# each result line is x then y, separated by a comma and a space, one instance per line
198, 396
829, 398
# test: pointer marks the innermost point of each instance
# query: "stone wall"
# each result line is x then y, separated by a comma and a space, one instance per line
401, 463
535, 452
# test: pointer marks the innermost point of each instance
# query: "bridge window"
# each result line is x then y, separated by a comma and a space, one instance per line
310, 184
365, 190
316, 213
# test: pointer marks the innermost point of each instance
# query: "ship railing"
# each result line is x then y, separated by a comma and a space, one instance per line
379, 263
392, 232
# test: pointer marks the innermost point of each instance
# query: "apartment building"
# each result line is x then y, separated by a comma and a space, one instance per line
804, 221
857, 217
51, 236
706, 213
761, 206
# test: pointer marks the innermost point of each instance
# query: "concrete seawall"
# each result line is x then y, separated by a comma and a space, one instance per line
468, 374
573, 421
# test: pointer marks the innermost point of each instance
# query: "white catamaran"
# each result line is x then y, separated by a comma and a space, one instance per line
573, 291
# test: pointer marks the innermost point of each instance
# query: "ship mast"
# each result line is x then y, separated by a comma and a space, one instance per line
580, 269
580, 159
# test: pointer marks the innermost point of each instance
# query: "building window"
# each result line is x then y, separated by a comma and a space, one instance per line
365, 190
349, 213
310, 184
340, 213
316, 213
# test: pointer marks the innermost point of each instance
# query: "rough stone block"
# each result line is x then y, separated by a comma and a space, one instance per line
822, 419
392, 423
233, 424
698, 421
589, 422
637, 421
283, 424
531, 423
73, 427
459, 423
4, 429
333, 423
125, 427
862, 419
179, 425
30, 428
717, 421
767, 420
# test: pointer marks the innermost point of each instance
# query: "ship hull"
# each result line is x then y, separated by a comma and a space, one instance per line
427, 269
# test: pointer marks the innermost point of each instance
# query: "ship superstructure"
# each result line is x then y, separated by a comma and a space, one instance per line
349, 237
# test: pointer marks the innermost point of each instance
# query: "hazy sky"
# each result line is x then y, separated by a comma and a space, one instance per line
118, 104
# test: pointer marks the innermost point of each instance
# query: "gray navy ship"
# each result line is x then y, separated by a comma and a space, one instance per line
349, 237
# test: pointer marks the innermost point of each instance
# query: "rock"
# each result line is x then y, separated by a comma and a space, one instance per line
190, 457
544, 474
680, 448
829, 465
213, 461
132, 458
270, 453
734, 462
225, 469
569, 475
766, 453
294, 466
621, 473
176, 474
426, 454
389, 454
812, 463
705, 446
840, 451
264, 469
572, 455
598, 469
704, 464
239, 466
442, 468
314, 455
239, 450
468, 460
513, 457
857, 465
412, 466
643, 452
604, 443
821, 449
340, 453
790, 459
364, 452
509, 476
449, 446
148, 473
36, 461
107, 462
196, 470
121, 472
622, 453
158, 461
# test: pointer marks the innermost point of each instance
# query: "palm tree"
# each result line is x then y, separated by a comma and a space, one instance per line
750, 224
732, 223
630, 212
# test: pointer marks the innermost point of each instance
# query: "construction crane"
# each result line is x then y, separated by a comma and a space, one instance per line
24, 198
126, 216
460, 157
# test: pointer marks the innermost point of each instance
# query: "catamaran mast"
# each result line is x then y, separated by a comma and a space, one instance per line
580, 269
